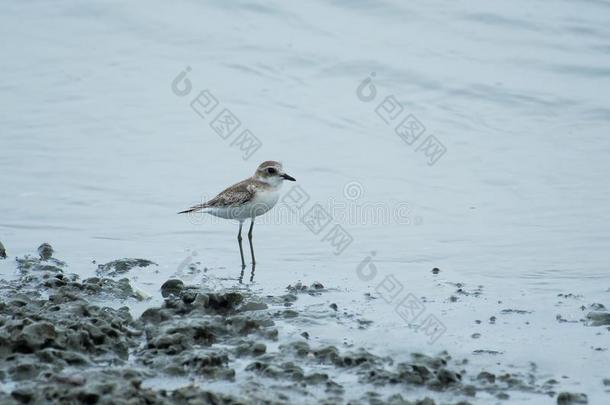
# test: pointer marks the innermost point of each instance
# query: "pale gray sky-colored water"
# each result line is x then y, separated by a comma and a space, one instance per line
97, 154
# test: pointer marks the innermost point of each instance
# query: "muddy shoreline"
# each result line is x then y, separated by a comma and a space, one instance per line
59, 344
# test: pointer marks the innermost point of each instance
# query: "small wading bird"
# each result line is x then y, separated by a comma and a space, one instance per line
247, 199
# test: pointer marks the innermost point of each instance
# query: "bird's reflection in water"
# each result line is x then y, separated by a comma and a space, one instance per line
241, 274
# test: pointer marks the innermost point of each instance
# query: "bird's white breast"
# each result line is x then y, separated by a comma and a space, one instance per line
264, 200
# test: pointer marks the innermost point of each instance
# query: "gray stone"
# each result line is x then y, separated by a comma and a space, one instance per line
570, 398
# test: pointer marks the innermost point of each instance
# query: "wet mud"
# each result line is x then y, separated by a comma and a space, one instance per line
221, 346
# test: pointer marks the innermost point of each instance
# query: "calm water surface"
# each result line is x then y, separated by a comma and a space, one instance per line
97, 154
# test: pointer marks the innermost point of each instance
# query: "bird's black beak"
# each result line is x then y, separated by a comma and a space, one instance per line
287, 177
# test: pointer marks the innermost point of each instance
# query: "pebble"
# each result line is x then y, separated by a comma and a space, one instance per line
121, 266
569, 398
172, 286
45, 251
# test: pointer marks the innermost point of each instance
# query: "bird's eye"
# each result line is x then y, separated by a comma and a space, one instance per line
271, 170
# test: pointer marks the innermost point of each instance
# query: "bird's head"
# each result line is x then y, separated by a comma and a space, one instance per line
272, 172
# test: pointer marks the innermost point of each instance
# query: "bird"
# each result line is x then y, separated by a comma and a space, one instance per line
247, 199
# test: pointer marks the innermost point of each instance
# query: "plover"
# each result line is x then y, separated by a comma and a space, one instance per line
247, 199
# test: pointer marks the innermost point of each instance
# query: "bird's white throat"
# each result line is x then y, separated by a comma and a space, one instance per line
275, 181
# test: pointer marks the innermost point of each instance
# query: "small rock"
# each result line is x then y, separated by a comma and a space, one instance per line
515, 311
316, 378
436, 270
106, 286
364, 323
289, 313
172, 286
486, 376
258, 348
305, 335
447, 377
469, 390
606, 382
22, 395
475, 335
315, 289
2, 251
298, 287
72, 379
121, 266
569, 398
188, 297
598, 318
251, 349
444, 379
596, 306
253, 306
334, 306
485, 351
45, 251
551, 382
37, 334
26, 370
155, 315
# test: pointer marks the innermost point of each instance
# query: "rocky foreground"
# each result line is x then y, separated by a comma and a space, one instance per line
58, 345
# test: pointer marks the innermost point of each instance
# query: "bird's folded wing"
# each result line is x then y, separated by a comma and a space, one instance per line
235, 195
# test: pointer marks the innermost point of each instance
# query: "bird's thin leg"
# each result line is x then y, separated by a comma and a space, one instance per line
241, 275
250, 240
241, 250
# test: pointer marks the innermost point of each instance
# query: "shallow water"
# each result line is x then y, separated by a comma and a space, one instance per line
98, 153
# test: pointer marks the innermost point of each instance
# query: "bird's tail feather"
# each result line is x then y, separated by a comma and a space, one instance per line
192, 209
